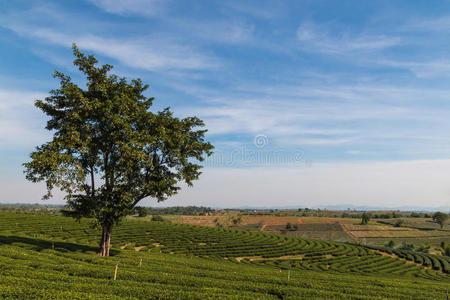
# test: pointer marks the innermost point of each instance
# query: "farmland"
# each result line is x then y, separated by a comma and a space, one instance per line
46, 256
417, 231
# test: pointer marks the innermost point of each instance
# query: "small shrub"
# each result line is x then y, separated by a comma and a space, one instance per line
447, 251
157, 218
399, 223
391, 244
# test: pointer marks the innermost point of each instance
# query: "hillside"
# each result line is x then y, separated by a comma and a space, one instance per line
45, 256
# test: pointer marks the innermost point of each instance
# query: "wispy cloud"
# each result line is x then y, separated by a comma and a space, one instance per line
127, 7
317, 38
359, 115
436, 24
265, 9
147, 53
20, 123
221, 31
424, 69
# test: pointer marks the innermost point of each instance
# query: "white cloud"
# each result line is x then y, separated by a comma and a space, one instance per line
316, 141
143, 53
317, 38
323, 115
424, 69
353, 152
264, 10
437, 25
125, 7
226, 31
21, 124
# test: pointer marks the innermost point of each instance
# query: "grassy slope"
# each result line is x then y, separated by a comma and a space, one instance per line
54, 257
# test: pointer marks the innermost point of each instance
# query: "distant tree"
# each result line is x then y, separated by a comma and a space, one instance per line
440, 218
406, 246
236, 220
109, 151
399, 223
288, 226
217, 222
141, 211
391, 244
365, 218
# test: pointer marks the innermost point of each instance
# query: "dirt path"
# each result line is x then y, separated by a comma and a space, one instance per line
409, 262
348, 232
262, 227
253, 258
124, 246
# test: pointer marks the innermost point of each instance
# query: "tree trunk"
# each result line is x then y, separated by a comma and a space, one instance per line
105, 242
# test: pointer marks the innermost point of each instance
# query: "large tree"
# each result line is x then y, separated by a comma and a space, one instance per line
440, 218
109, 151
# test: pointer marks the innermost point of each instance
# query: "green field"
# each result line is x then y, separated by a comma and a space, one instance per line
45, 256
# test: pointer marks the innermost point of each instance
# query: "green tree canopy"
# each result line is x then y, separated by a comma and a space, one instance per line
440, 218
109, 151
365, 218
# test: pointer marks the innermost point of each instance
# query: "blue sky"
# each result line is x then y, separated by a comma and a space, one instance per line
289, 90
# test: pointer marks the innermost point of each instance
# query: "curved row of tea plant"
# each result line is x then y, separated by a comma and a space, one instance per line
436, 262
29, 270
244, 246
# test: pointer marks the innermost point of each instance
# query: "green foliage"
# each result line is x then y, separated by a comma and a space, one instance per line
157, 218
425, 248
182, 210
440, 218
109, 151
185, 244
391, 244
288, 226
141, 211
236, 220
365, 218
399, 223
406, 246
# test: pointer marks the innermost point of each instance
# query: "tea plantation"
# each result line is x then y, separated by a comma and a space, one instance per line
46, 256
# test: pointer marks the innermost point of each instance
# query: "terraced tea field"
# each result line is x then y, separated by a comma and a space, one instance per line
44, 256
412, 232
417, 231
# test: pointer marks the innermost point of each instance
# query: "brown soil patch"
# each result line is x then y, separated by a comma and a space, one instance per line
139, 248
124, 246
157, 245
386, 254
253, 258
348, 232
262, 227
